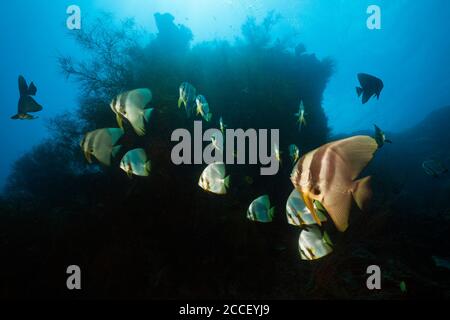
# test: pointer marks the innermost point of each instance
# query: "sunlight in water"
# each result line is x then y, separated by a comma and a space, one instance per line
207, 19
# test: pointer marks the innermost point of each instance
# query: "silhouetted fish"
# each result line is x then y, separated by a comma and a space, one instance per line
370, 86
26, 102
380, 137
434, 168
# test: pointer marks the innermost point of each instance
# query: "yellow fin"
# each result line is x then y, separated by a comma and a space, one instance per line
119, 120
310, 205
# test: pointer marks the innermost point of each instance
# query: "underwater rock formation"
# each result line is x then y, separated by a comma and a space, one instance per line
133, 227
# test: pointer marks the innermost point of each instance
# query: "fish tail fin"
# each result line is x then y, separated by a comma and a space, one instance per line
327, 239
388, 141
116, 150
362, 192
148, 114
271, 212
208, 117
303, 121
148, 166
359, 91
226, 182
180, 101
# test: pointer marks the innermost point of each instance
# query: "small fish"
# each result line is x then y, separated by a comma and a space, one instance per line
133, 106
441, 262
223, 126
213, 179
370, 86
301, 116
313, 244
215, 143
298, 214
101, 144
403, 287
203, 108
277, 153
248, 180
294, 153
187, 97
327, 174
380, 137
135, 162
434, 168
260, 210
26, 103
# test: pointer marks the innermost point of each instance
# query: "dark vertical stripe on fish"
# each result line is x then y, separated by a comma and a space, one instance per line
298, 172
123, 100
316, 166
331, 158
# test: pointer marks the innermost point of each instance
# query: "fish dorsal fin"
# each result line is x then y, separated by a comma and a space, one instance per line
140, 98
217, 170
32, 90
365, 79
141, 155
23, 86
356, 152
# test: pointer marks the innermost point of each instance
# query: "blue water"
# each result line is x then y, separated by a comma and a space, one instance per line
410, 53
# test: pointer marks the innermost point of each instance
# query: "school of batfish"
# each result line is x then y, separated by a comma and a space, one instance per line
326, 182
